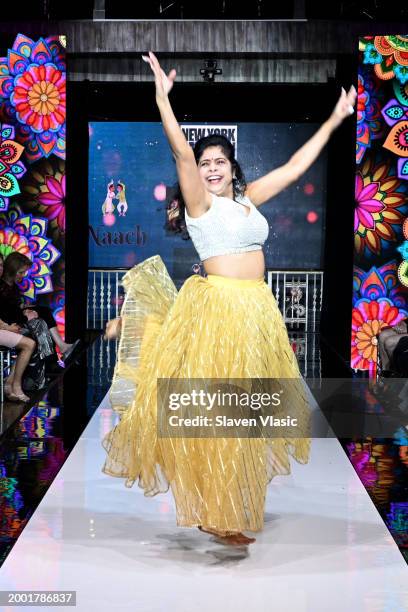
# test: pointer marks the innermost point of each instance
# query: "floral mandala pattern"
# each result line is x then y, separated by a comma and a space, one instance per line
379, 302
32, 85
403, 249
395, 113
369, 126
45, 192
26, 234
380, 296
388, 55
401, 92
380, 207
11, 169
59, 316
56, 300
397, 143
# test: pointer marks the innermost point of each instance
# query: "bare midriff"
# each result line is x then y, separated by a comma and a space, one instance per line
250, 265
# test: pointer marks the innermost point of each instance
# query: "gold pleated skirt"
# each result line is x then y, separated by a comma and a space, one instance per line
214, 327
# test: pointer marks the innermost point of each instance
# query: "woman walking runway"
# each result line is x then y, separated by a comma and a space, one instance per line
226, 325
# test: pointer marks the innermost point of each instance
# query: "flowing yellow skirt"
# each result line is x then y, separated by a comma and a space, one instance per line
214, 327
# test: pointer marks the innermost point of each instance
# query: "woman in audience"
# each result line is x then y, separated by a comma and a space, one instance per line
16, 266
11, 337
29, 323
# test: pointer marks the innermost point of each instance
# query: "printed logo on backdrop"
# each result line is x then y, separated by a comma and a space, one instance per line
195, 132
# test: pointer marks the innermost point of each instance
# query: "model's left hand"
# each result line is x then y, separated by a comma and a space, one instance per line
344, 107
113, 329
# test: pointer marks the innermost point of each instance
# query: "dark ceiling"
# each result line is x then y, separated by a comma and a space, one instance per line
365, 10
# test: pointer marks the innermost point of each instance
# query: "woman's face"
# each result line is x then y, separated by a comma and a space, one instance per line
20, 274
216, 171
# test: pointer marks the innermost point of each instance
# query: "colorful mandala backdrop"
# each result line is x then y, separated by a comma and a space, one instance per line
32, 164
380, 290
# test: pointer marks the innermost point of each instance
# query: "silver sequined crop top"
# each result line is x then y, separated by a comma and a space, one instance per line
227, 228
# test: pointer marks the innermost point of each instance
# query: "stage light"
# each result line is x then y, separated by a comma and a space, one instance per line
309, 189
160, 192
109, 219
312, 216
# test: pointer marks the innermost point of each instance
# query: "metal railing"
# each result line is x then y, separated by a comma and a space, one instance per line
102, 357
299, 296
105, 296
101, 362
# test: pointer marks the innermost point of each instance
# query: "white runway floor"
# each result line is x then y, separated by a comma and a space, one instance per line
324, 546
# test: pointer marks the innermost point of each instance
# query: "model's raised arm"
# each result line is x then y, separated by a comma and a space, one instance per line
272, 183
195, 195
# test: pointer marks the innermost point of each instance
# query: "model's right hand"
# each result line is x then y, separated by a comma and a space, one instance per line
163, 82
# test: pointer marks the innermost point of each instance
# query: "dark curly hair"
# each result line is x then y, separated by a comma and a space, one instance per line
13, 263
238, 184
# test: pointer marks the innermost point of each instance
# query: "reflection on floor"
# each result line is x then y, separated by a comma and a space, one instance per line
90, 529
383, 469
31, 457
36, 441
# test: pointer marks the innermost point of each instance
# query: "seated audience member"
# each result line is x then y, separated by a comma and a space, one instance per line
388, 340
11, 337
16, 266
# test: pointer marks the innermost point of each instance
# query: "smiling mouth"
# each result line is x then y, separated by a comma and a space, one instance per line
214, 180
